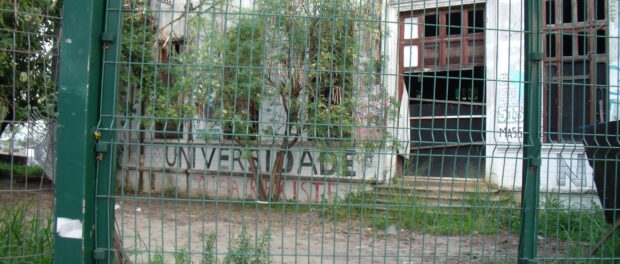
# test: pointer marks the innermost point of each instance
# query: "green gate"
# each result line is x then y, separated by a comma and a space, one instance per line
367, 131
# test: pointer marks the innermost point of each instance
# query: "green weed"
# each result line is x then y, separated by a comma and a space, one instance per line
25, 238
181, 256
158, 258
244, 250
209, 253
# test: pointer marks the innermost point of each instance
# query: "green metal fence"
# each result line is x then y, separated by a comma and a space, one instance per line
29, 31
365, 131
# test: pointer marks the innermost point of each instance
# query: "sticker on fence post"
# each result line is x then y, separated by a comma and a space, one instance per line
69, 228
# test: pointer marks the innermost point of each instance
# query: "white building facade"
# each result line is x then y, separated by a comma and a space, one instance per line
456, 67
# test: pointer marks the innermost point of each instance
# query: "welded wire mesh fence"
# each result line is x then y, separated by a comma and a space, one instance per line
29, 31
364, 131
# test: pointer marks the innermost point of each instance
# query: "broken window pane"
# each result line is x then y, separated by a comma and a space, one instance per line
600, 41
582, 10
567, 11
430, 26
600, 9
567, 45
454, 21
550, 50
476, 21
550, 14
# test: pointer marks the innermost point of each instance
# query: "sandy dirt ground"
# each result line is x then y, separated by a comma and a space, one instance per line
301, 236
37, 194
148, 226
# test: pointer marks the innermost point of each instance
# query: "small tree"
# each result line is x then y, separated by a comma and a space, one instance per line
29, 30
309, 60
150, 77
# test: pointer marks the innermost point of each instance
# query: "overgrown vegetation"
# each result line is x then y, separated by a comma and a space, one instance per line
580, 228
477, 215
306, 73
16, 170
25, 237
243, 250
29, 30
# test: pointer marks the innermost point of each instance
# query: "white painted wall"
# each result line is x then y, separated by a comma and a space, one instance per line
389, 50
614, 59
504, 73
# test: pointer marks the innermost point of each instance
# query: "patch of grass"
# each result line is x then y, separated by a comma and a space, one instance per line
286, 207
580, 228
380, 221
24, 238
8, 169
478, 215
170, 192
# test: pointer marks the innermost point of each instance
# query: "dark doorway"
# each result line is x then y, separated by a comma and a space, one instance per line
447, 119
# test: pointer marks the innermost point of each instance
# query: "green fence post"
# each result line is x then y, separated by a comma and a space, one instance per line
78, 98
532, 122
104, 236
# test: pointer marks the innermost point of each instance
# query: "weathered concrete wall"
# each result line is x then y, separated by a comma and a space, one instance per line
229, 186
222, 171
504, 87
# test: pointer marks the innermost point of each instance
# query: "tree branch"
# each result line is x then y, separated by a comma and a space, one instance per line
184, 14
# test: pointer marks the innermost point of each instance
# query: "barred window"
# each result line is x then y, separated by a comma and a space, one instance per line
575, 65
